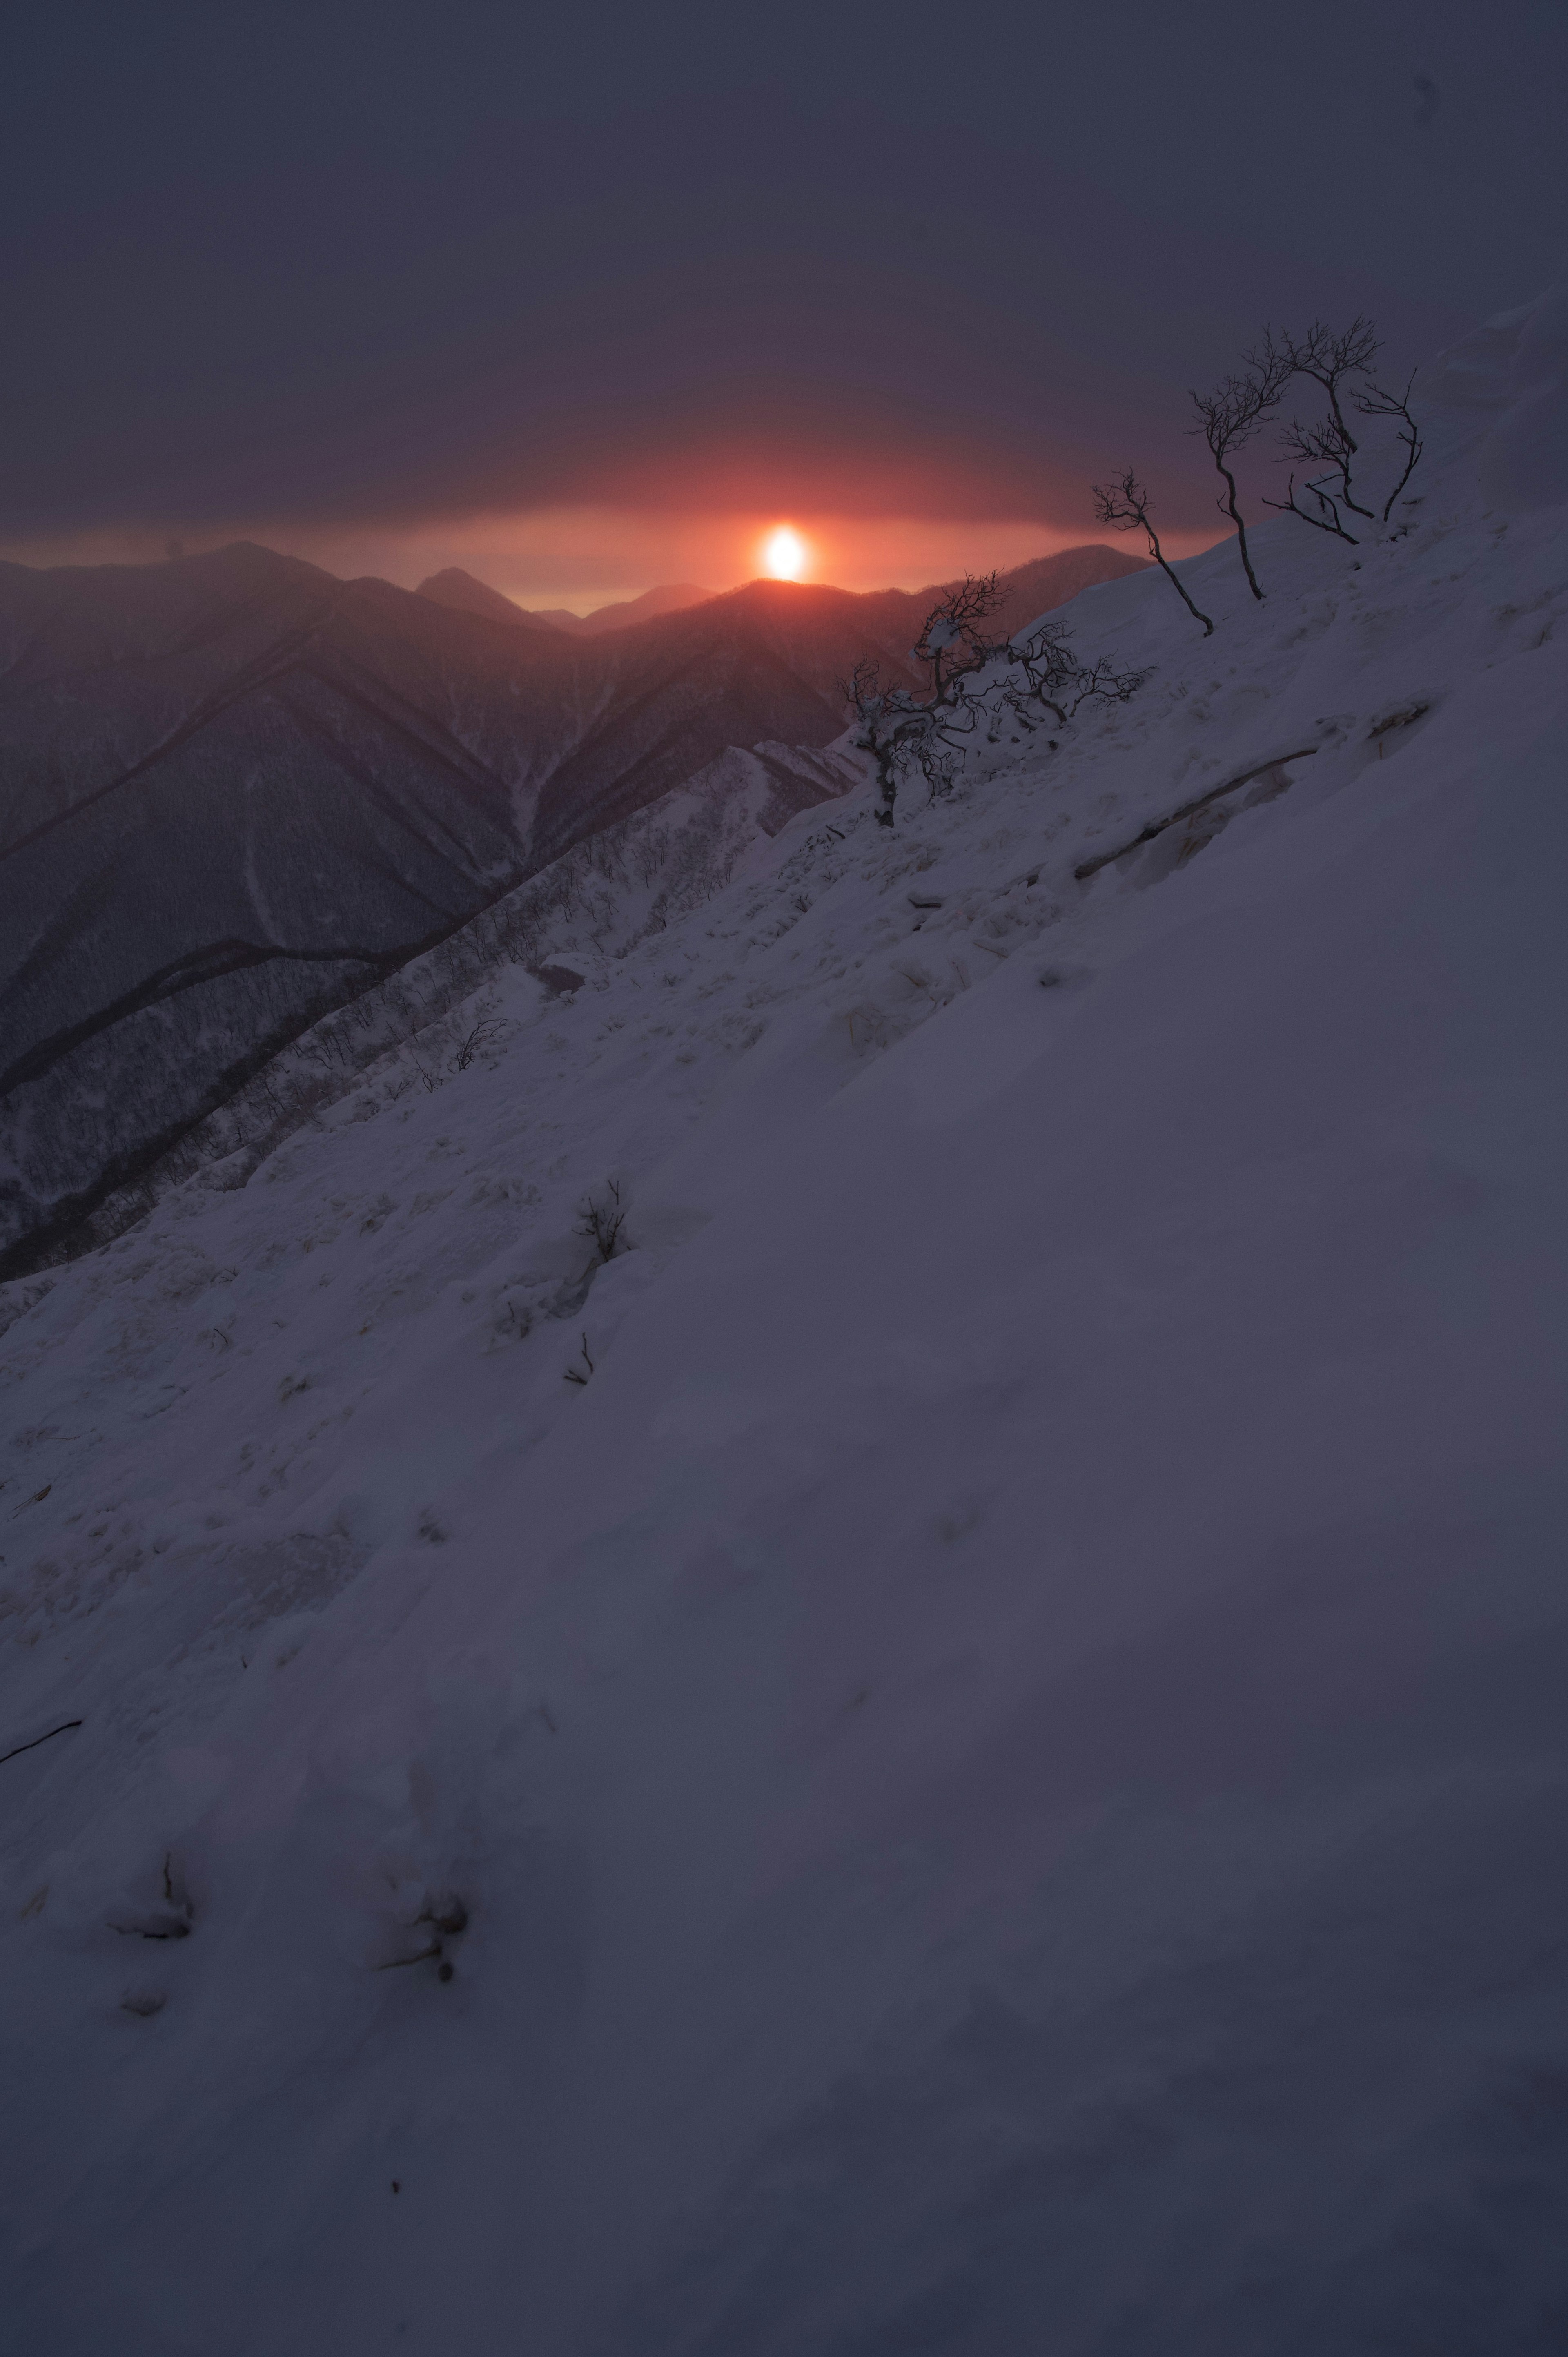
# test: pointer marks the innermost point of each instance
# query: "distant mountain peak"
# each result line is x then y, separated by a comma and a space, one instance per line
466, 595
670, 597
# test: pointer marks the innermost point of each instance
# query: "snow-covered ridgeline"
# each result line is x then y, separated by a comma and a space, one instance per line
595, 903
1000, 1760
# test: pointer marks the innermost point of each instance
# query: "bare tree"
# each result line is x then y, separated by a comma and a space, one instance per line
1374, 402
1329, 360
1333, 361
1227, 418
954, 633
1317, 445
1125, 507
1053, 676
890, 721
902, 731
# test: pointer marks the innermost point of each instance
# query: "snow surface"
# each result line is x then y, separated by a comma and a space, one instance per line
1001, 1760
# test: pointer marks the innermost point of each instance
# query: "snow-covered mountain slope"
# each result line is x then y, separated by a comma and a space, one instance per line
963, 1751
236, 793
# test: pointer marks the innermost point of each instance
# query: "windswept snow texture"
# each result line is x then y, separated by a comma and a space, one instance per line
236, 793
961, 1751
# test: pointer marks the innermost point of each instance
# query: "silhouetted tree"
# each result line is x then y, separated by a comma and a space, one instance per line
1227, 418
954, 639
901, 730
1329, 360
898, 728
1317, 445
1334, 360
890, 721
1374, 402
1053, 676
1125, 507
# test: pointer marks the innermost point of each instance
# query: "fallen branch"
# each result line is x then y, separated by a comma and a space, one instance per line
61, 1730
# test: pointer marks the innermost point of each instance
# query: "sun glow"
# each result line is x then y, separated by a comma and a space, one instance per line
784, 553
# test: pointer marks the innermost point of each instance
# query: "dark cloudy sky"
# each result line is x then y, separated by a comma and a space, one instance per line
586, 283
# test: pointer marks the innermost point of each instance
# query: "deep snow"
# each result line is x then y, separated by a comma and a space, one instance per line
1004, 1755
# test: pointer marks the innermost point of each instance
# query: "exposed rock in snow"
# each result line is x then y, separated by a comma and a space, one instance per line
961, 1749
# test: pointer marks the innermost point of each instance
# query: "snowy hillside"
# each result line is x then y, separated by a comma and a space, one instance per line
237, 794
962, 1750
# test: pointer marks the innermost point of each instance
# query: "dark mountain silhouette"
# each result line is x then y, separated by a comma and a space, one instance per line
670, 599
1032, 588
238, 791
463, 594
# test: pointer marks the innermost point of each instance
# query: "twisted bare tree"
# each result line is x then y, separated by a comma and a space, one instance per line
1374, 402
1227, 418
1329, 360
1334, 361
903, 731
1125, 507
1339, 362
1045, 671
898, 728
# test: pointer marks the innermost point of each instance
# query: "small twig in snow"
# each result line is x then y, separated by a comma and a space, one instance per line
16, 1752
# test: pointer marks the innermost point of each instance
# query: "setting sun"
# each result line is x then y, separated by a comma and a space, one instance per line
784, 553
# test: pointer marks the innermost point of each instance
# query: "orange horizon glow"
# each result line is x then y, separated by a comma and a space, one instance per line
784, 553
581, 558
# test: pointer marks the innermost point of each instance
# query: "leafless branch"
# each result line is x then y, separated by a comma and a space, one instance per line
1322, 445
1327, 358
485, 1033
904, 731
1227, 418
16, 1750
1328, 516
1125, 507
1375, 402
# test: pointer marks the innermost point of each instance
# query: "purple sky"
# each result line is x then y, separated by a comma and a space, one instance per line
609, 290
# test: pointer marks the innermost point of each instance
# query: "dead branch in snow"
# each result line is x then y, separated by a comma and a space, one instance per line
485, 1033
17, 1750
602, 1220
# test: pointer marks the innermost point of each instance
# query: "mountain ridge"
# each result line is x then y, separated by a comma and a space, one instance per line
239, 790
